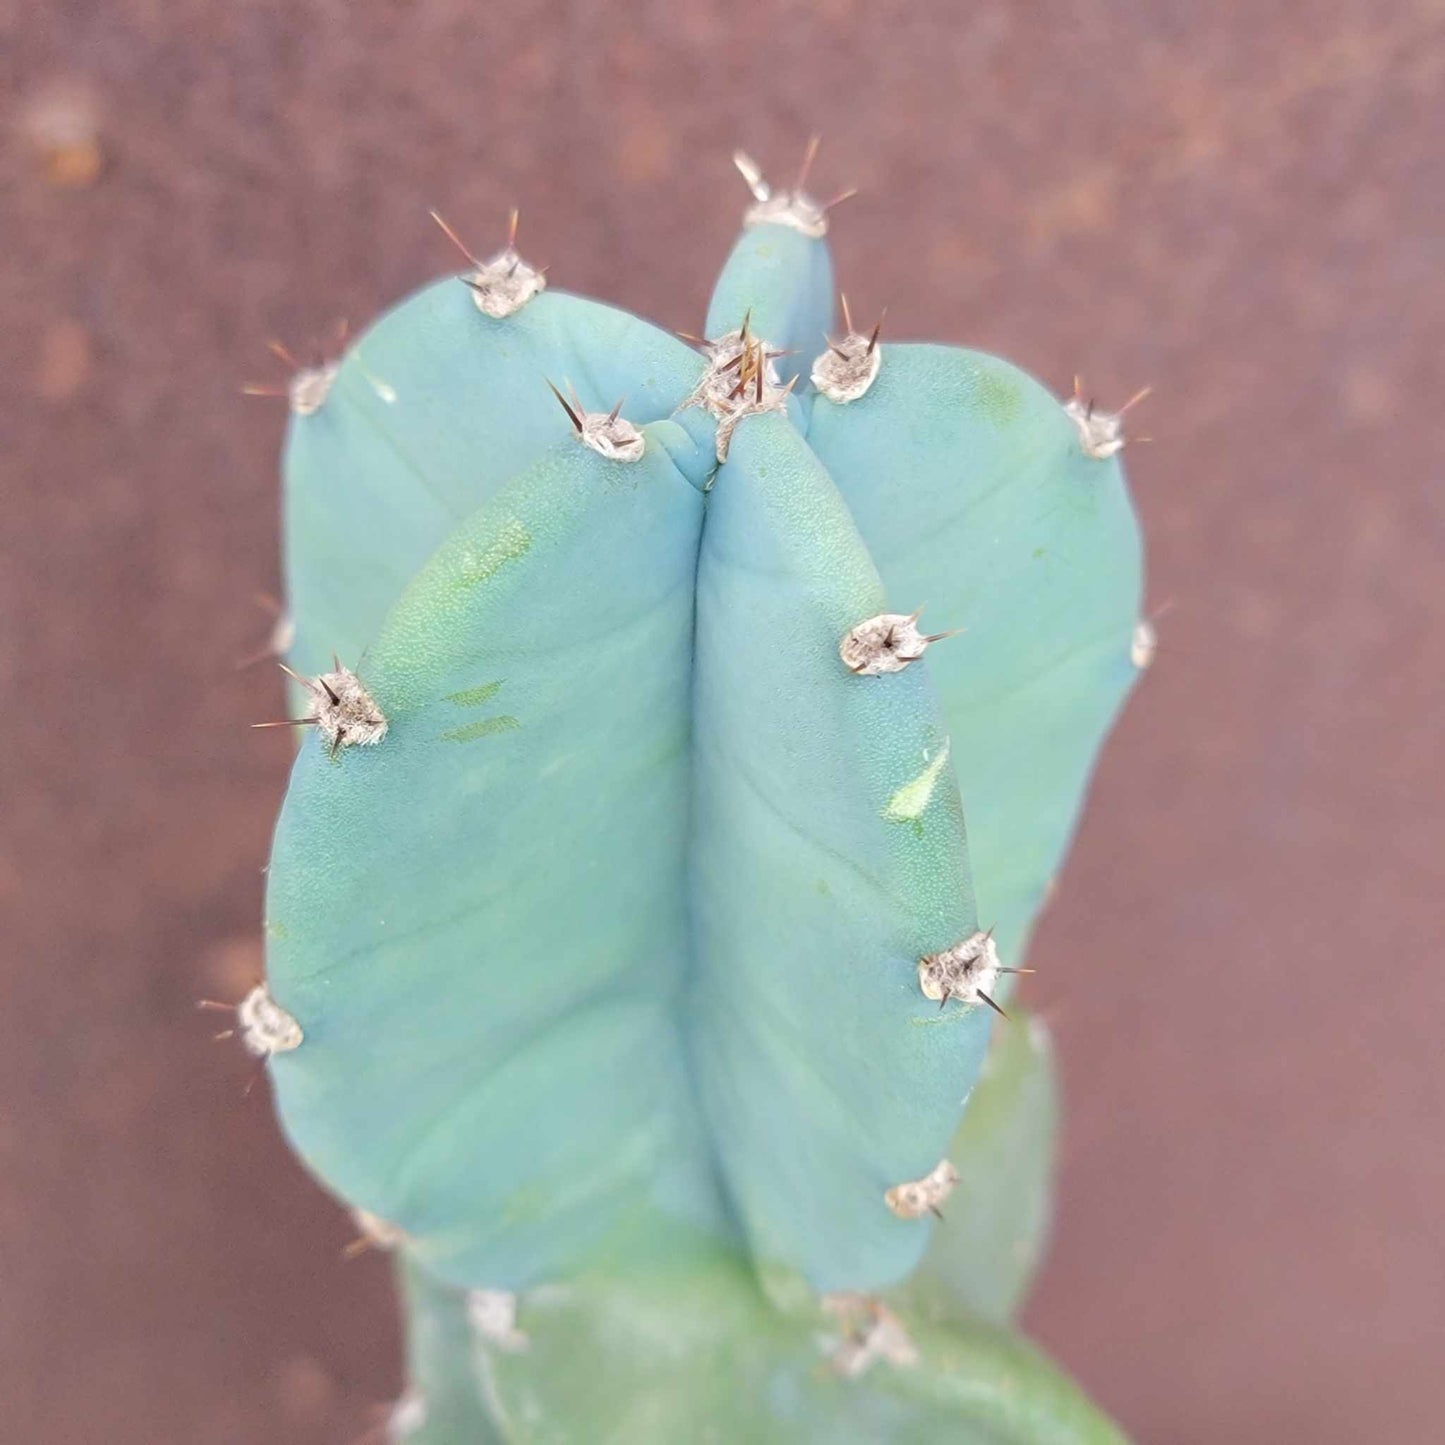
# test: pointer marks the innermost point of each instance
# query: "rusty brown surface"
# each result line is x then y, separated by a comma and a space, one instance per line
1241, 203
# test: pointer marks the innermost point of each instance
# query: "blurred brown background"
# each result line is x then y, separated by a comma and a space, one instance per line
1241, 203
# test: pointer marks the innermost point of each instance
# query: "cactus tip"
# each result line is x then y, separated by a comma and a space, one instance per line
502, 284
754, 388
793, 208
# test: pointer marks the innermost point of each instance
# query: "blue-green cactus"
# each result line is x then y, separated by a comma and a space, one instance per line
625, 964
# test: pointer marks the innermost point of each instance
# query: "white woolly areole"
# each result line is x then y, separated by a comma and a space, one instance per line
344, 710
847, 368
613, 437
873, 1332
378, 1232
308, 389
917, 1197
795, 209
1100, 432
963, 972
492, 1314
740, 381
886, 643
407, 1416
1144, 644
283, 634
265, 1028
504, 284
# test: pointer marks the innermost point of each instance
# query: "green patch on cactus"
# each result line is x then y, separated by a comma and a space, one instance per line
702, 1356
483, 728
447, 1370
992, 390
908, 803
475, 696
511, 545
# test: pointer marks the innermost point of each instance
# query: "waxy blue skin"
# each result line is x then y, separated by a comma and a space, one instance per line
606, 955
974, 496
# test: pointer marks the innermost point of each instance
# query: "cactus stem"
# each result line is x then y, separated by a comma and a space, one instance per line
916, 1197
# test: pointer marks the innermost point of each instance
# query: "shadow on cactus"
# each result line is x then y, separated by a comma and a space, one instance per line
629, 966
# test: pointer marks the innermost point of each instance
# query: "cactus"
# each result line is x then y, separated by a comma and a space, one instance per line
625, 969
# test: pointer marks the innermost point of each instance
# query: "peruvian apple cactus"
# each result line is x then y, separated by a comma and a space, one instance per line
629, 968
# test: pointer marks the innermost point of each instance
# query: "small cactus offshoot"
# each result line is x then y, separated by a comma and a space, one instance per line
622, 925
